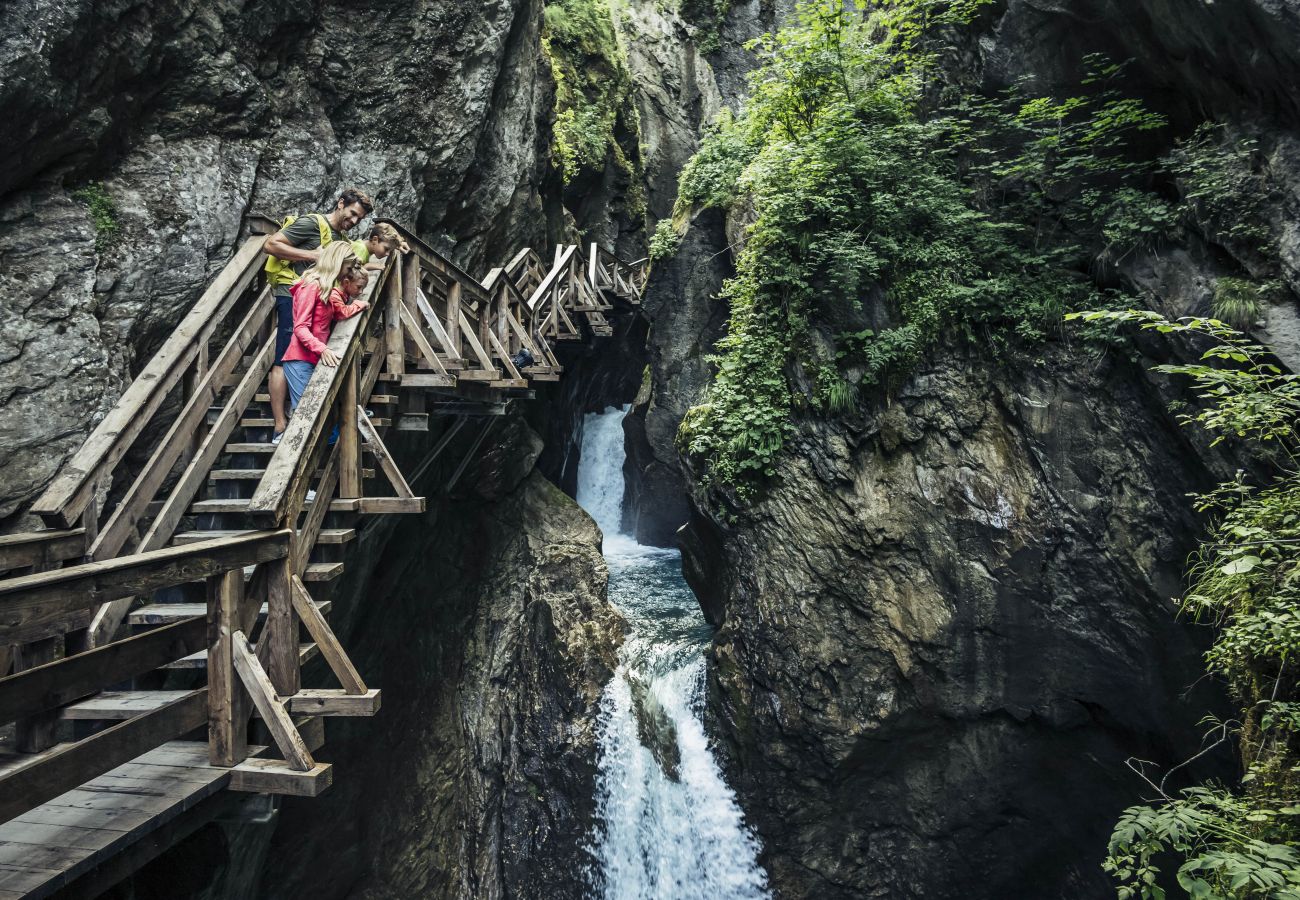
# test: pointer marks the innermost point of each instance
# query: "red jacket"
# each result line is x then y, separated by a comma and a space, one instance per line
313, 319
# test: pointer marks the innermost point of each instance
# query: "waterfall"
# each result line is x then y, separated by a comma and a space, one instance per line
668, 826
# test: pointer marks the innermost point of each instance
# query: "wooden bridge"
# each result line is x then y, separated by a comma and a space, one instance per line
152, 638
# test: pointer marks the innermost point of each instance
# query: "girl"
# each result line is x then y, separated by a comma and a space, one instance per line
317, 302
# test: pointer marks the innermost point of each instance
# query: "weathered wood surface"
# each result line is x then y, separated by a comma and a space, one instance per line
41, 548
50, 595
70, 492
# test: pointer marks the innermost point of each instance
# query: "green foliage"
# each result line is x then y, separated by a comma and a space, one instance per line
1225, 187
665, 240
1245, 581
593, 89
704, 19
103, 212
1236, 302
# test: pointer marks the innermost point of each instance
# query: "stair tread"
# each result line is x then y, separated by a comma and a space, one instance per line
121, 704
237, 505
166, 613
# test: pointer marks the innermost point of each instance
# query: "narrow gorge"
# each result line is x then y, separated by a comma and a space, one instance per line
878, 480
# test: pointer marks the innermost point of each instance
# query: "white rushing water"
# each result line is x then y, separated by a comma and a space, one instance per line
668, 825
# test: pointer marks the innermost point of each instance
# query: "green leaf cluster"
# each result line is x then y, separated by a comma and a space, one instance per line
103, 213
593, 90
1245, 581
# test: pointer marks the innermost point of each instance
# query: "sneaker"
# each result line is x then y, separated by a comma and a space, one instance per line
275, 438
311, 495
370, 414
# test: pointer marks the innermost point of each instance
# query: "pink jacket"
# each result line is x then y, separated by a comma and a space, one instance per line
313, 319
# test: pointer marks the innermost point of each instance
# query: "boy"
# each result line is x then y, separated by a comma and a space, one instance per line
300, 245
383, 240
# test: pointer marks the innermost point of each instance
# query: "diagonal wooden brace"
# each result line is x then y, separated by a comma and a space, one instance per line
326, 641
382, 456
271, 708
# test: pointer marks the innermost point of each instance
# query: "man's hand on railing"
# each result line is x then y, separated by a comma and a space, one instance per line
329, 357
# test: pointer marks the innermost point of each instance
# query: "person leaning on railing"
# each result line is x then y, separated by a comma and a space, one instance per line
291, 251
374, 251
318, 300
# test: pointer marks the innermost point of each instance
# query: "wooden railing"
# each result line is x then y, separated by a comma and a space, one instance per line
36, 694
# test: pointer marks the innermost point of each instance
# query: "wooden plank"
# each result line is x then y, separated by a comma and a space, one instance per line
36, 732
269, 707
227, 733
394, 343
505, 358
328, 702
435, 325
272, 776
63, 501
558, 270
349, 437
329, 645
109, 618
280, 633
48, 595
73, 677
110, 705
311, 527
417, 337
383, 457
181, 435
64, 768
41, 548
427, 380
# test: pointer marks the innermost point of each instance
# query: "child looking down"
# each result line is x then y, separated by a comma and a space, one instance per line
318, 302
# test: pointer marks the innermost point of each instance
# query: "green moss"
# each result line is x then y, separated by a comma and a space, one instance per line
103, 212
595, 109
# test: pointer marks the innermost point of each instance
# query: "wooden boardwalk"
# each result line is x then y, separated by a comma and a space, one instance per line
142, 644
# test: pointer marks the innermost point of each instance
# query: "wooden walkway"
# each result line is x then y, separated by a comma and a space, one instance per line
144, 644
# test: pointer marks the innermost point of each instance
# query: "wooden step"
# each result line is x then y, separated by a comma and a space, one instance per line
326, 536
322, 571
202, 507
334, 702
270, 423
236, 474
167, 613
374, 506
119, 705
382, 399
200, 660
427, 380
476, 375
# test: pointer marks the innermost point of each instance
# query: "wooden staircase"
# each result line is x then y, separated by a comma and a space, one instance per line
152, 638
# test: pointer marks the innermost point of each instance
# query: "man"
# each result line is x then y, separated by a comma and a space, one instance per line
293, 250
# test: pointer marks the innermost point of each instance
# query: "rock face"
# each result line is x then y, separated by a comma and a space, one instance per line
948, 626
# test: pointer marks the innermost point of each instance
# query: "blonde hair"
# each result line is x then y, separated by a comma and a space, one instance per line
334, 263
389, 237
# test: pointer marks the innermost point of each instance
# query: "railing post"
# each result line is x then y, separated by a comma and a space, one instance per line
349, 441
394, 343
281, 629
227, 726
453, 318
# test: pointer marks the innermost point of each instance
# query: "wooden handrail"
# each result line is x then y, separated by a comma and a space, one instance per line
285, 481
560, 268
440, 263
41, 548
68, 495
46, 596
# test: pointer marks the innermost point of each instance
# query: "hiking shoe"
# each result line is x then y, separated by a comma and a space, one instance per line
370, 414
275, 438
311, 495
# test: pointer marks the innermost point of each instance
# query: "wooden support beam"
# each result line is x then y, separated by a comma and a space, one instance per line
271, 776
454, 318
393, 340
435, 325
325, 639
327, 702
383, 457
36, 732
349, 442
378, 506
270, 707
48, 596
280, 633
227, 728
422, 344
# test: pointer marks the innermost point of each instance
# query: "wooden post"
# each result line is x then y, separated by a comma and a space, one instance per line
453, 318
227, 727
36, 733
281, 629
349, 442
394, 343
